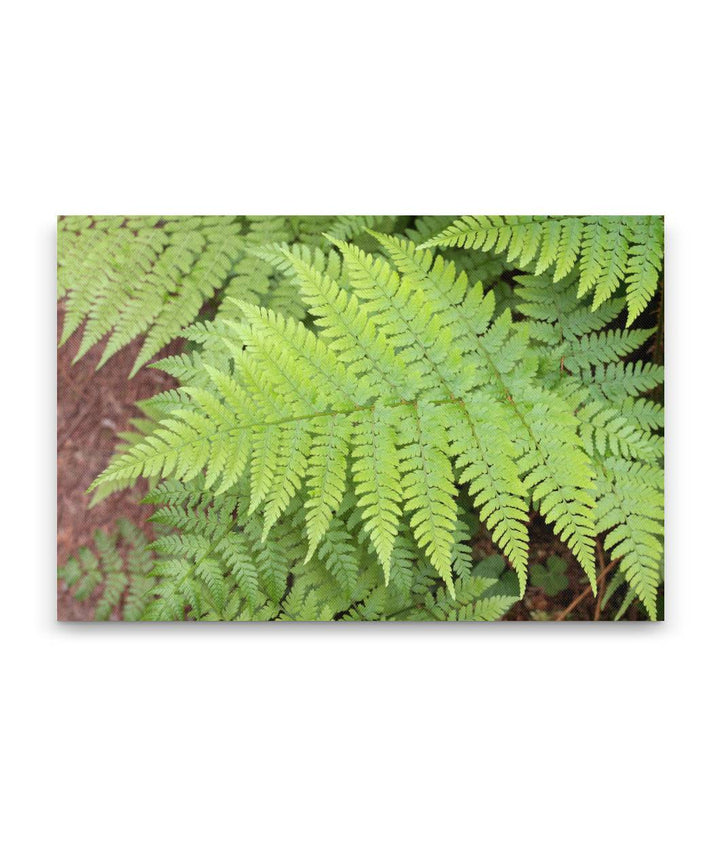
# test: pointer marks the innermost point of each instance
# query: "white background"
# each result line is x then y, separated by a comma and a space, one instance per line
356, 739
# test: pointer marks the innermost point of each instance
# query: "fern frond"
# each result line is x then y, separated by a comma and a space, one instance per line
237, 554
592, 257
340, 555
292, 463
352, 335
616, 381
377, 480
466, 311
352, 407
146, 276
630, 506
119, 571
346, 228
215, 567
404, 317
606, 430
612, 271
647, 415
471, 603
605, 347
326, 474
558, 473
150, 276
569, 247
549, 246
486, 460
605, 250
427, 485
411, 377
556, 313
644, 264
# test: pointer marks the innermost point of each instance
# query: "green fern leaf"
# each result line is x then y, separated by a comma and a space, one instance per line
326, 475
377, 480
592, 257
644, 264
486, 458
630, 506
427, 486
568, 247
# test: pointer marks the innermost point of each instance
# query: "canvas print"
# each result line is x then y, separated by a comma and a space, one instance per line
360, 418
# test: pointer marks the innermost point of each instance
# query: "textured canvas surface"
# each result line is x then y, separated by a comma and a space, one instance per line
364, 418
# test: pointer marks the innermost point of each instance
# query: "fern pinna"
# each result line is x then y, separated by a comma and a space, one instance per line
606, 250
353, 439
210, 563
129, 276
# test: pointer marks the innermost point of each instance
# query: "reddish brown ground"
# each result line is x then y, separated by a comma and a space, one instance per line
92, 406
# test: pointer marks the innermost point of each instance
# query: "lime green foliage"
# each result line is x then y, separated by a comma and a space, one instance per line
124, 277
333, 454
630, 505
626, 593
550, 577
608, 252
151, 411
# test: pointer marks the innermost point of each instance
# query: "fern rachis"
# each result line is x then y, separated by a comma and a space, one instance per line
359, 415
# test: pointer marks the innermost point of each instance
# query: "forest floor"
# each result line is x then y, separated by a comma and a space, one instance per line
93, 406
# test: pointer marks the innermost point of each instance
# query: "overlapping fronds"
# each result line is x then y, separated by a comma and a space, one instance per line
359, 408
630, 509
406, 384
124, 277
608, 252
211, 564
149, 276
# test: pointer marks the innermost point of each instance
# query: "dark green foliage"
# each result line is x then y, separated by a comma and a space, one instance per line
550, 577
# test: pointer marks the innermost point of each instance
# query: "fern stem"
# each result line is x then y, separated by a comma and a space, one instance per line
564, 614
601, 581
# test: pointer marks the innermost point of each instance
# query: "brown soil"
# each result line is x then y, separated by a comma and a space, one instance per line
92, 406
